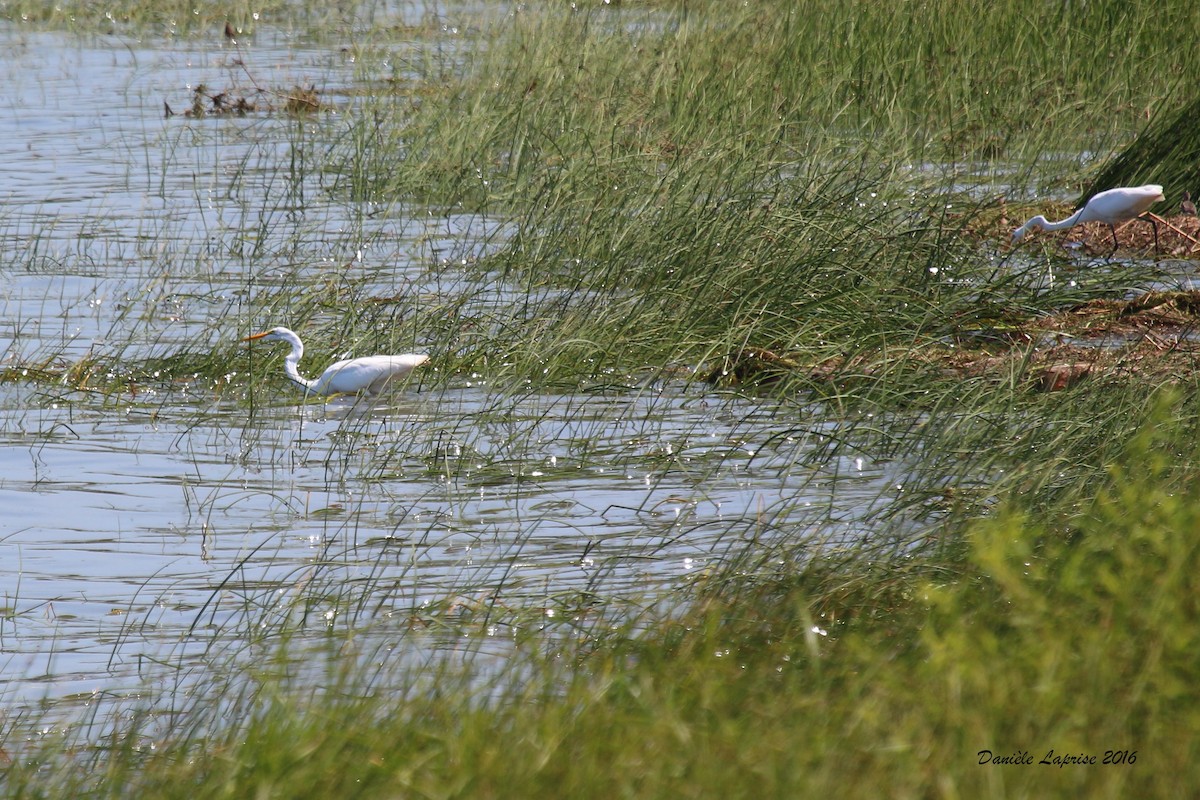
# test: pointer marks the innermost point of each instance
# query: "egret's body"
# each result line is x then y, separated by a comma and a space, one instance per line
1110, 206
368, 374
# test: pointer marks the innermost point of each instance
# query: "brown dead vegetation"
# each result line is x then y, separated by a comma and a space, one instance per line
207, 103
1151, 337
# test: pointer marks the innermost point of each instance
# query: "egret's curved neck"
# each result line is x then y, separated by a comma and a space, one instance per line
291, 364
1047, 225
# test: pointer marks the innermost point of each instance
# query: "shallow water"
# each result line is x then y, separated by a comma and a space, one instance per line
141, 527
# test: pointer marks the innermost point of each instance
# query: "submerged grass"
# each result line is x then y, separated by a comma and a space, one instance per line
1049, 658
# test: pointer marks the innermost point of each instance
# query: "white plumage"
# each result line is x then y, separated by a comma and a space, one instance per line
1110, 206
368, 374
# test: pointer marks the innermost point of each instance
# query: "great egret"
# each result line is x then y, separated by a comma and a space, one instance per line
348, 376
1110, 206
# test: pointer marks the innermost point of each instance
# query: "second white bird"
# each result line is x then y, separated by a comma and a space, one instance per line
1110, 206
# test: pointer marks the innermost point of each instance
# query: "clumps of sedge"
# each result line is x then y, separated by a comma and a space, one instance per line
205, 103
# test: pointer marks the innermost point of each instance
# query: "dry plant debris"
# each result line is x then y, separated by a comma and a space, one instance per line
1151, 337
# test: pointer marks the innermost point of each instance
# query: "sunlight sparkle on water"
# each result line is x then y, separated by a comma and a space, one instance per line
227, 505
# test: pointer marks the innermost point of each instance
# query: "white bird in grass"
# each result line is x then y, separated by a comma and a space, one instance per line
1110, 206
348, 376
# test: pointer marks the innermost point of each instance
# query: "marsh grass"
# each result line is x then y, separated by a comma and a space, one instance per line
633, 89
1165, 153
648, 211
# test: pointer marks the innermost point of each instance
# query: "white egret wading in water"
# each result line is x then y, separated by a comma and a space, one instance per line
1110, 206
369, 373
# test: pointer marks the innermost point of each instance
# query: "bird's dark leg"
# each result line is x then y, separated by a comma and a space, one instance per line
1150, 218
1112, 228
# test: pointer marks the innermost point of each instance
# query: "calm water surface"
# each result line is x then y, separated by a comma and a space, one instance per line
140, 528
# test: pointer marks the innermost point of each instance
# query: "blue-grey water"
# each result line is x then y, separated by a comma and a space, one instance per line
142, 526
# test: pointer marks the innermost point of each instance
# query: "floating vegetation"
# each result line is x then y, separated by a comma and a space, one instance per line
206, 103
302, 100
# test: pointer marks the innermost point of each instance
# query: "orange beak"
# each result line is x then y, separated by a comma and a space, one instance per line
255, 336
